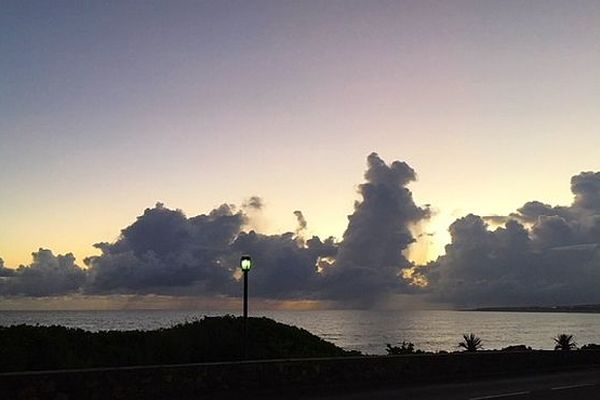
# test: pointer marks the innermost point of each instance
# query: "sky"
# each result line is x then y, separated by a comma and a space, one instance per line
110, 107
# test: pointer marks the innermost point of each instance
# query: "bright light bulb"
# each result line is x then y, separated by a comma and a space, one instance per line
246, 263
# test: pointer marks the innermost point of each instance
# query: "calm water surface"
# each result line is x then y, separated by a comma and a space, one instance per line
367, 331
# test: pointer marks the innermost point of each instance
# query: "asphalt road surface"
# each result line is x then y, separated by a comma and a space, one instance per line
571, 385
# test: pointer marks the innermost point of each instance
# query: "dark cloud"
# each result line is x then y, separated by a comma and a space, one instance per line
370, 257
301, 228
543, 255
532, 211
47, 275
586, 188
285, 269
166, 252
553, 231
5, 272
301, 221
254, 202
540, 254
364, 267
165, 249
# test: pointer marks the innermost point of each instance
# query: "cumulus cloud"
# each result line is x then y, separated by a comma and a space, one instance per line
301, 228
285, 268
301, 221
166, 252
371, 257
254, 202
542, 255
586, 188
47, 275
163, 249
5, 272
539, 254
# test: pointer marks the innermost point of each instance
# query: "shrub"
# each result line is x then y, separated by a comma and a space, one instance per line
518, 347
564, 342
590, 346
24, 347
404, 348
471, 343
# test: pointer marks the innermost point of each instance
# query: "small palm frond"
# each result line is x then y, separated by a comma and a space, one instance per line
471, 342
564, 342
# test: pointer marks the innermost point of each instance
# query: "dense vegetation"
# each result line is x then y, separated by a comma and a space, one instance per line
403, 349
25, 347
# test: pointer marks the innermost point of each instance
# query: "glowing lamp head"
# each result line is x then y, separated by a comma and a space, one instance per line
246, 263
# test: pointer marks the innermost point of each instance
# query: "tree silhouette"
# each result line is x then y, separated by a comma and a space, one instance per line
564, 342
404, 348
471, 342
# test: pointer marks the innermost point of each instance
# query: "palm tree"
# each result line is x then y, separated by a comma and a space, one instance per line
471, 342
564, 342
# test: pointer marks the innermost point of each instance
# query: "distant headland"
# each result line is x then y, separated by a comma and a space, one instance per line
580, 308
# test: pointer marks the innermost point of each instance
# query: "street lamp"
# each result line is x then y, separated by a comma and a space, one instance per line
245, 265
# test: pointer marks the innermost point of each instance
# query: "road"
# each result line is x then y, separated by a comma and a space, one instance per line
564, 385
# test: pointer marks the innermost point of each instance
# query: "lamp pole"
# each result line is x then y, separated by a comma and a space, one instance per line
245, 296
245, 265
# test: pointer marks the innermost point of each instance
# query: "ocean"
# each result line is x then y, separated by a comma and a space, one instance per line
364, 330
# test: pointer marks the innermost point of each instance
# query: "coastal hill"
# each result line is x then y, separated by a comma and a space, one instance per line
26, 347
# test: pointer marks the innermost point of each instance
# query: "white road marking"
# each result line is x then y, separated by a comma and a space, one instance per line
572, 386
497, 396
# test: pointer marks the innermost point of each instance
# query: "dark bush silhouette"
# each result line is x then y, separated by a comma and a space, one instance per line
25, 347
471, 343
590, 346
564, 342
518, 347
404, 348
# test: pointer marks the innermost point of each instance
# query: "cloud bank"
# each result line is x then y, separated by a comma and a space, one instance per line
166, 252
47, 275
540, 254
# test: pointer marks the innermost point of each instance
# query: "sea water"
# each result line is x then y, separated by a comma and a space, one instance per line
365, 330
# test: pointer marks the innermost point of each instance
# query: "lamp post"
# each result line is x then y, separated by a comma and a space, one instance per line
246, 266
